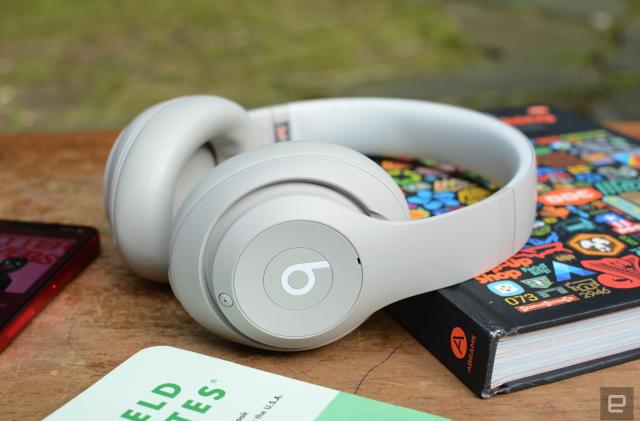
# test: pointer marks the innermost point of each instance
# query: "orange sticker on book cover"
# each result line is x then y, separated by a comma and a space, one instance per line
622, 272
566, 197
458, 341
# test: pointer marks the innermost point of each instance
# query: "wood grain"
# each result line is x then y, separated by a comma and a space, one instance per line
107, 314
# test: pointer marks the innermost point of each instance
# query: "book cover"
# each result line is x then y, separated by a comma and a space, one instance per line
166, 383
581, 260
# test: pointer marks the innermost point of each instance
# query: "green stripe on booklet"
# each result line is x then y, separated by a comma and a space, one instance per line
165, 383
345, 406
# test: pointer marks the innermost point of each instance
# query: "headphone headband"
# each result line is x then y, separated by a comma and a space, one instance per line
417, 129
399, 127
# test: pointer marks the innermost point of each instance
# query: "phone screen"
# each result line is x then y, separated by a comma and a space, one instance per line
34, 257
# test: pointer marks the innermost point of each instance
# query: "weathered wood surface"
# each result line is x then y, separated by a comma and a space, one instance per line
107, 314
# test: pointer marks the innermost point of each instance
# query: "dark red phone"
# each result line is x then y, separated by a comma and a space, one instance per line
36, 261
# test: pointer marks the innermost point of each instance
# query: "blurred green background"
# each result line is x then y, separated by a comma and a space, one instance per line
68, 64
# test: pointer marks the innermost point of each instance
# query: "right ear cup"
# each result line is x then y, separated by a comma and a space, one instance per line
154, 163
256, 209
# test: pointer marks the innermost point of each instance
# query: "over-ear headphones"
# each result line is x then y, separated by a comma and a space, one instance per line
274, 232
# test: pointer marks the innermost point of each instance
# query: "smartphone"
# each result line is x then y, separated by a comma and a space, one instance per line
36, 261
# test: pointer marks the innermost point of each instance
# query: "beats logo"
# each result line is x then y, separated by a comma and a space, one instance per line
308, 270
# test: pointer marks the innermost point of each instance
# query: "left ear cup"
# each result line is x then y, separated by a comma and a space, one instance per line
279, 203
155, 162
118, 152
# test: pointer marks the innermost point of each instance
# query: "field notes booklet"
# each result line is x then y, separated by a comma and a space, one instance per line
165, 383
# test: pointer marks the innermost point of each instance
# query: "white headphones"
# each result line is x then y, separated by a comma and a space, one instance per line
291, 245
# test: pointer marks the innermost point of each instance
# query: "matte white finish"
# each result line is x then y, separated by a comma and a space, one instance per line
158, 181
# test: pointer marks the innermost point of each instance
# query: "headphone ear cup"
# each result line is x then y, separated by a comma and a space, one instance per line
156, 160
204, 248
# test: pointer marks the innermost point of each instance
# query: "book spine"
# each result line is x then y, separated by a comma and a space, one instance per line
462, 344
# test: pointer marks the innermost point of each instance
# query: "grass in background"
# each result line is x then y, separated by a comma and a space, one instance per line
94, 64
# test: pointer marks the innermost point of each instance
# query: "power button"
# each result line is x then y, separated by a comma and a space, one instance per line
225, 300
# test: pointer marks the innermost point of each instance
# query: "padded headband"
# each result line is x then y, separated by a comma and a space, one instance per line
398, 127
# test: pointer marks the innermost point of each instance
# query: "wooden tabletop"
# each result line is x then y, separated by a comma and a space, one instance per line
107, 314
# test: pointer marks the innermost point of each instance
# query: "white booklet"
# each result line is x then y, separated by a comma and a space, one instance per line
165, 383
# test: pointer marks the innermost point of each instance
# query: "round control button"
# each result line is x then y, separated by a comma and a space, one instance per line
298, 278
225, 300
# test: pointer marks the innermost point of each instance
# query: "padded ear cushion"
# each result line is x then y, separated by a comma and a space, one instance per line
118, 151
385, 201
147, 163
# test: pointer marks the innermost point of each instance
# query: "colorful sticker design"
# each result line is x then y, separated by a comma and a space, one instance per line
505, 288
623, 272
596, 244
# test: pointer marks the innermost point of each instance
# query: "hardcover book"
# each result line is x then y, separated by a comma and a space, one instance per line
569, 301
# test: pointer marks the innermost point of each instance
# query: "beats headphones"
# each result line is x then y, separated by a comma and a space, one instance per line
276, 231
